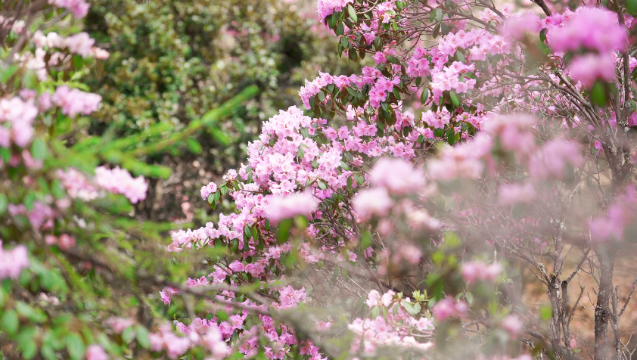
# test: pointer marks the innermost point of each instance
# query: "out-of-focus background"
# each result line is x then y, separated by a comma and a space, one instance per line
172, 61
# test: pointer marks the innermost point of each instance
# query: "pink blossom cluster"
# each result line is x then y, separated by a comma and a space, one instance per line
201, 332
516, 26
372, 333
95, 352
81, 44
619, 215
13, 261
74, 101
512, 324
77, 185
588, 27
397, 176
312, 88
551, 159
40, 216
391, 330
447, 307
463, 160
590, 67
473, 271
286, 207
79, 8
418, 64
327, 7
120, 181
19, 116
449, 78
510, 194
207, 190
289, 298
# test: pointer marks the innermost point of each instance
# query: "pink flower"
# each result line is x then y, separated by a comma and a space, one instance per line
66, 242
78, 8
372, 299
95, 352
80, 44
515, 27
510, 194
207, 190
74, 101
119, 324
120, 181
387, 298
323, 325
551, 159
372, 202
590, 67
237, 266
167, 293
591, 28
512, 324
285, 207
443, 309
473, 271
12, 262
397, 175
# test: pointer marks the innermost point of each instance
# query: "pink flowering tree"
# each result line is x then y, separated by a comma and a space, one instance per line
411, 210
484, 154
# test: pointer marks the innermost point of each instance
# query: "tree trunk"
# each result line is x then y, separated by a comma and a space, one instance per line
606, 258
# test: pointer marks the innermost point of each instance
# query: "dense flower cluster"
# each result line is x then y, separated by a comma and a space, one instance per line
120, 181
19, 116
13, 261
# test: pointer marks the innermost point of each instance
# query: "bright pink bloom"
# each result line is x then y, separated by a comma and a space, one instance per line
74, 101
590, 67
120, 181
12, 262
285, 207
95, 352
397, 175
207, 190
372, 202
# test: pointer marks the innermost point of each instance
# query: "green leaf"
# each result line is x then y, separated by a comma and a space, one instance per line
631, 6
546, 312
29, 348
9, 322
344, 43
194, 146
424, 96
38, 149
598, 94
284, 230
142, 337
129, 334
439, 14
543, 31
48, 352
75, 346
4, 202
454, 98
469, 297
366, 240
6, 74
352, 13
33, 314
412, 309
460, 56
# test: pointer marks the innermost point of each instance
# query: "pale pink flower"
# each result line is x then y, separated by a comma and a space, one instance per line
95, 352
